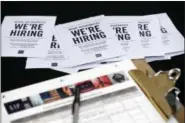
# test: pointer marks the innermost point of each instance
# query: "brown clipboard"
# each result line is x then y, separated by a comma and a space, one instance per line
155, 88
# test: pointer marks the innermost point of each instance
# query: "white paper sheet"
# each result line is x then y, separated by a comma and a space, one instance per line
54, 57
149, 30
125, 29
65, 70
26, 36
167, 56
172, 39
157, 58
77, 68
88, 40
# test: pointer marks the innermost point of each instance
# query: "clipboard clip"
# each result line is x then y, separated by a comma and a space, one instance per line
173, 74
160, 90
172, 94
173, 99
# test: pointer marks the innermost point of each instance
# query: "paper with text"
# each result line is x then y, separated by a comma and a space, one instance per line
125, 30
88, 40
54, 57
129, 106
149, 31
172, 39
26, 36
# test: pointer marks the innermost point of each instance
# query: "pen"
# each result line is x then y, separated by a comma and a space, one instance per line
76, 105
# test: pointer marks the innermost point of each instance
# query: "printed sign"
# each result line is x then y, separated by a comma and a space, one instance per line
125, 29
149, 32
88, 40
54, 57
172, 39
26, 36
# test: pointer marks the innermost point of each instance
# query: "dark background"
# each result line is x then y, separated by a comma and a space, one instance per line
15, 75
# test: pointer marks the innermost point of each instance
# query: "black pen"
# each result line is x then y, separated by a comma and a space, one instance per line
76, 105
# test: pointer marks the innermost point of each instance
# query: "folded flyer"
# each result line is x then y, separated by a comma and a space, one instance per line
172, 39
126, 32
148, 29
88, 40
26, 36
149, 32
54, 57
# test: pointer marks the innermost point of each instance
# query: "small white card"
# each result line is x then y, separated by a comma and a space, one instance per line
26, 36
88, 40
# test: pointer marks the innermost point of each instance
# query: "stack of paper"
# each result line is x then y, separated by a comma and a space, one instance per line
89, 42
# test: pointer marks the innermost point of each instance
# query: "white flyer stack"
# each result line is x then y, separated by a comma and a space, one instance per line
87, 43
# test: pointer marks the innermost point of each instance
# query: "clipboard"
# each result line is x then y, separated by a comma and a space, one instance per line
155, 88
55, 84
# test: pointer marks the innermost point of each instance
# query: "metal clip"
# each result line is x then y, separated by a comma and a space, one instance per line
173, 74
172, 99
172, 94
